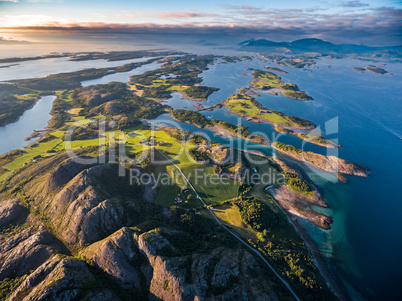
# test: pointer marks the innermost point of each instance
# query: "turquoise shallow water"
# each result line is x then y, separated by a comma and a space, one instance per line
362, 250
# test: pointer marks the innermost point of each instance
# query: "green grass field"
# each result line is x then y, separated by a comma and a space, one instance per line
265, 80
243, 105
212, 188
270, 176
230, 216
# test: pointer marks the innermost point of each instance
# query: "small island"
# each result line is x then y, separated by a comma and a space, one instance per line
373, 69
311, 138
330, 164
246, 106
270, 82
276, 69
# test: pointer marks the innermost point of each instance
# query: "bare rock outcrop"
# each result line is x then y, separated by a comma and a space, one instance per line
26, 251
79, 208
82, 212
292, 203
62, 174
119, 257
140, 261
59, 278
9, 211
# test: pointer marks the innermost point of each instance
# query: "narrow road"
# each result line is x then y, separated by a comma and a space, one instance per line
230, 231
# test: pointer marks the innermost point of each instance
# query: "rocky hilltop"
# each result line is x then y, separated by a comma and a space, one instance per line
72, 233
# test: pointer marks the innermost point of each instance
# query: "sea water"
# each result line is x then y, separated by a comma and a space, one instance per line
362, 248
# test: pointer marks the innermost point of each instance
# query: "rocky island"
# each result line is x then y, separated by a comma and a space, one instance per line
330, 164
309, 137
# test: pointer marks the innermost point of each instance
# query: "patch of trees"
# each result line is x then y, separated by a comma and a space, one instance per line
224, 167
298, 95
159, 92
199, 92
9, 285
296, 120
234, 129
191, 117
185, 71
149, 110
12, 107
58, 113
257, 215
286, 147
81, 133
296, 183
129, 105
200, 155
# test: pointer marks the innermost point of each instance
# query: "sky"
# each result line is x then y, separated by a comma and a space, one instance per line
376, 22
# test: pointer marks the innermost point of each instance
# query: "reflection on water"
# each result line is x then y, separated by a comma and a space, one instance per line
123, 77
44, 67
12, 135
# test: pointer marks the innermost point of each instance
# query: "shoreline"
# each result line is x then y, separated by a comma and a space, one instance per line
316, 256
318, 198
26, 109
276, 91
258, 120
288, 131
221, 131
318, 259
338, 174
188, 98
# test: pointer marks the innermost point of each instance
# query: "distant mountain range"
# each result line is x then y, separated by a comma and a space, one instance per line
317, 45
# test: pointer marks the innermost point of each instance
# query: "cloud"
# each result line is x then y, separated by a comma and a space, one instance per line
166, 15
371, 25
183, 15
242, 7
353, 4
127, 15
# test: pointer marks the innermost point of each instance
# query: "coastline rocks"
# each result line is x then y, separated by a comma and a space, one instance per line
330, 164
295, 205
298, 204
